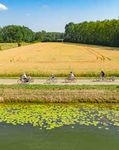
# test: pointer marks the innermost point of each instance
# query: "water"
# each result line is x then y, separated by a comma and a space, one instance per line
59, 127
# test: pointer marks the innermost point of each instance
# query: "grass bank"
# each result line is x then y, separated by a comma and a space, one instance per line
6, 46
59, 93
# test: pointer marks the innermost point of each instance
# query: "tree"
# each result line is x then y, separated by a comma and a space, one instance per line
15, 33
100, 32
48, 36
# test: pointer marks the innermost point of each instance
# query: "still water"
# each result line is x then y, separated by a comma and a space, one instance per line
59, 127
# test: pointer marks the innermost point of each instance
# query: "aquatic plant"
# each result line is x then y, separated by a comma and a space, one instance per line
47, 116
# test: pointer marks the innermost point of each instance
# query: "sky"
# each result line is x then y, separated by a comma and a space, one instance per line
53, 15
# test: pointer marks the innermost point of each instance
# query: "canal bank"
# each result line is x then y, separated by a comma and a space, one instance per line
59, 93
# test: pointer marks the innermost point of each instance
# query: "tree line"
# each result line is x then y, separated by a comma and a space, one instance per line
100, 33
14, 33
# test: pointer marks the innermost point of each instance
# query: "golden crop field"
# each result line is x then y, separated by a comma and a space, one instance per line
43, 59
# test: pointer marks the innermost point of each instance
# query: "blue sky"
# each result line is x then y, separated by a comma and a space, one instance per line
53, 15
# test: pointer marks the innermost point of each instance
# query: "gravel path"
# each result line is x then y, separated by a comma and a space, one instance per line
61, 82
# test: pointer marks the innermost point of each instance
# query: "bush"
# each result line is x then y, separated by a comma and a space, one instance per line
0, 47
19, 44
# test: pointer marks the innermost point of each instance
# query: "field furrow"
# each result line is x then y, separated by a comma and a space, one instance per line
43, 59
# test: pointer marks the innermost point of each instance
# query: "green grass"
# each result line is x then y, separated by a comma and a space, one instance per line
61, 87
6, 46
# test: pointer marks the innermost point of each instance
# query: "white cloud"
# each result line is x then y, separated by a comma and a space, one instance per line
3, 7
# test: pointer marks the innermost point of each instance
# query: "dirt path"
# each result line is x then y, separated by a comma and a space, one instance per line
61, 82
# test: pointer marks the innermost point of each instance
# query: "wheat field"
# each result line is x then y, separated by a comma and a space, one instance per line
43, 59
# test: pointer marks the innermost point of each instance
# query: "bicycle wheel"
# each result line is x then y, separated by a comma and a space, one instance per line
54, 80
66, 81
31, 81
112, 79
19, 81
48, 81
96, 80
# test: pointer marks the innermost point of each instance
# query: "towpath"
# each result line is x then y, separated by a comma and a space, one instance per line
62, 82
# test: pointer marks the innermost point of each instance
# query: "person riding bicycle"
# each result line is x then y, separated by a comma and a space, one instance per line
24, 77
52, 77
102, 75
71, 76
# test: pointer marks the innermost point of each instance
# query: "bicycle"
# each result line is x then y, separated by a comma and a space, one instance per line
24, 81
111, 79
70, 80
51, 80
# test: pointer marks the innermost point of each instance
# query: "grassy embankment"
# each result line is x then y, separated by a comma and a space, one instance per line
59, 93
6, 46
43, 59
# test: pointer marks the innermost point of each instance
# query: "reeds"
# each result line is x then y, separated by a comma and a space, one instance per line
58, 96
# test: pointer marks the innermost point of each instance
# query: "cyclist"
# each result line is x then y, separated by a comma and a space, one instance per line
102, 75
52, 77
71, 76
24, 77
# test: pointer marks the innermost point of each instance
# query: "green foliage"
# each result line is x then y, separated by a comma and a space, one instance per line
13, 33
19, 44
100, 33
49, 117
49, 36
18, 34
6, 46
